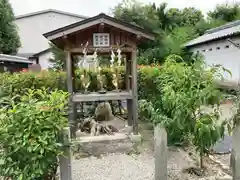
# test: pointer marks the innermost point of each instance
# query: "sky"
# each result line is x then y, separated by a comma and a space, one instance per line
94, 7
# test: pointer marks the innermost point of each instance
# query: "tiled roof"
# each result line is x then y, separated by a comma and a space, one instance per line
224, 31
4, 57
49, 11
25, 55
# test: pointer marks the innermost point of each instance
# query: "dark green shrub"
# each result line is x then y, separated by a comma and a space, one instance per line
147, 84
29, 135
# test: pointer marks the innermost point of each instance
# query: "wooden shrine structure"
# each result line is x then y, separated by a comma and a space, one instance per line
103, 34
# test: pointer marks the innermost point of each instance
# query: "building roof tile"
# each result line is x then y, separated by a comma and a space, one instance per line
49, 11
227, 30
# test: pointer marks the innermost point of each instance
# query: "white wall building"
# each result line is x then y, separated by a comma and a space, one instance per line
31, 28
221, 46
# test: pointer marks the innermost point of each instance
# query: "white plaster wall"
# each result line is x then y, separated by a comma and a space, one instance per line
44, 60
224, 53
31, 29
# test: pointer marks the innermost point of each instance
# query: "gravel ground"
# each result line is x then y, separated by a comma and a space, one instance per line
134, 167
114, 167
141, 167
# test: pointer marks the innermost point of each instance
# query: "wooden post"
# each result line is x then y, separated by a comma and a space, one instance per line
128, 65
130, 111
160, 152
235, 156
69, 72
65, 159
134, 91
72, 106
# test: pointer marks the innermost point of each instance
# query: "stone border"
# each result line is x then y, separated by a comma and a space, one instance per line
105, 144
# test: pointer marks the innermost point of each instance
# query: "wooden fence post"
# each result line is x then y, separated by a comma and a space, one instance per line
235, 156
160, 152
65, 159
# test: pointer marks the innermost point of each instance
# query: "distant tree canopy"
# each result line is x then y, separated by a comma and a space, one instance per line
173, 26
58, 59
9, 39
226, 12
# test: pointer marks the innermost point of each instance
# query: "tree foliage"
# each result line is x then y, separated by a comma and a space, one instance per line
225, 12
9, 39
58, 59
173, 26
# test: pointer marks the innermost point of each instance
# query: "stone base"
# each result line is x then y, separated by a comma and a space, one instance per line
104, 144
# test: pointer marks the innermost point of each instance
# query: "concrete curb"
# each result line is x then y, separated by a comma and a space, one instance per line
98, 145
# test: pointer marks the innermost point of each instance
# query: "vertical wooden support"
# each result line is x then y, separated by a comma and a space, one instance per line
134, 91
72, 106
160, 152
69, 72
128, 72
235, 156
65, 159
130, 112
128, 87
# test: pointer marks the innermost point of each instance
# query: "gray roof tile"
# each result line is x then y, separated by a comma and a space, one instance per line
224, 31
48, 11
11, 58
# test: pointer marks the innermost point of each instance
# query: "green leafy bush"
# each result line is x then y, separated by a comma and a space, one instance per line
173, 95
30, 135
147, 84
207, 132
17, 83
184, 89
179, 96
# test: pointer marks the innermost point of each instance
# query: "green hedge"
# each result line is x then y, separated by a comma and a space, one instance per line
17, 83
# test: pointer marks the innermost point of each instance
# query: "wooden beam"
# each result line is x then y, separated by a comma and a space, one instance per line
128, 65
101, 50
91, 97
69, 72
86, 25
134, 90
72, 106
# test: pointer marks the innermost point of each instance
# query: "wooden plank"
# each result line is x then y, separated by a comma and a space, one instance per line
82, 26
135, 93
128, 73
69, 72
123, 95
101, 50
130, 112
128, 87
160, 152
72, 106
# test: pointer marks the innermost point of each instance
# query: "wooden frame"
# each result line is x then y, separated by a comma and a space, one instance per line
72, 38
101, 34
